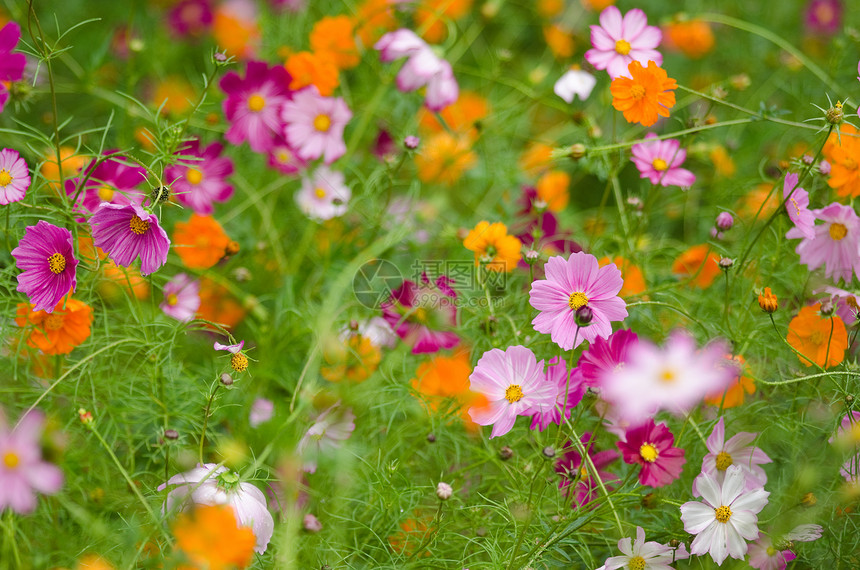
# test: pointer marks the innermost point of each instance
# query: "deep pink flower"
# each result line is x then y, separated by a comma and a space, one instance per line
605, 355
333, 426
181, 297
253, 104
418, 312
45, 256
128, 232
199, 183
573, 283
23, 473
835, 244
14, 177
11, 64
314, 125
650, 446
191, 17
113, 181
660, 162
619, 41
764, 556
736, 451
574, 470
797, 206
824, 16
569, 391
284, 158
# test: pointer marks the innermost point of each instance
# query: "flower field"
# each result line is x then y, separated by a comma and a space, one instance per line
281, 277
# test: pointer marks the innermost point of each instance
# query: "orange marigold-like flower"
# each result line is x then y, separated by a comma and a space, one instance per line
699, 264
821, 340
234, 32
763, 198
536, 158
724, 165
444, 158
374, 18
58, 332
70, 162
306, 68
844, 157
693, 38
334, 36
129, 278
647, 96
493, 246
462, 116
174, 96
559, 40
354, 360
431, 15
552, 188
218, 305
634, 281
445, 379
211, 538
734, 394
768, 301
200, 242
597, 5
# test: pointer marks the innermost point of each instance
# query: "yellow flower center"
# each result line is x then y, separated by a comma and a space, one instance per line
256, 103
637, 92
771, 550
54, 322
194, 176
106, 193
5, 178
513, 393
57, 263
660, 165
648, 452
667, 376
172, 299
11, 460
577, 300
284, 156
837, 231
723, 514
322, 123
420, 315
239, 362
636, 563
622, 47
320, 193
138, 226
724, 461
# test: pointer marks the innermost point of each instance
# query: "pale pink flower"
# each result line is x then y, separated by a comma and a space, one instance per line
324, 195
570, 389
574, 83
736, 451
23, 473
764, 556
619, 41
726, 517
660, 162
836, 243
14, 176
840, 298
797, 206
333, 426
643, 555
181, 297
314, 125
261, 411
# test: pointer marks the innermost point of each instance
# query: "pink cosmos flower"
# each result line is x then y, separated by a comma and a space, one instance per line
574, 83
231, 348
675, 377
46, 258
253, 104
314, 125
576, 472
848, 437
797, 206
11, 64
725, 518
208, 485
514, 385
824, 16
417, 312
333, 426
569, 391
764, 556
191, 18
660, 162
835, 244
845, 301
650, 446
605, 355
619, 41
283, 157
128, 232
573, 283
261, 411
23, 473
378, 332
324, 195
723, 454
14, 177
643, 555
114, 181
181, 297
199, 183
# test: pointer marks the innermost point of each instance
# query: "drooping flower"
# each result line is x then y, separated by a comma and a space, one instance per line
650, 446
208, 484
14, 176
570, 284
181, 297
210, 536
423, 315
820, 340
619, 41
574, 83
200, 242
126, 232
314, 125
645, 96
324, 195
797, 206
723, 454
660, 162
604, 355
726, 517
12, 68
113, 180
199, 183
46, 258
23, 472
493, 247
333, 426
253, 104
514, 384
569, 391
835, 244
59, 331
261, 411
641, 555
578, 481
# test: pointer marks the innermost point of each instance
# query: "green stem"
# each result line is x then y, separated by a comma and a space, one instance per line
206, 418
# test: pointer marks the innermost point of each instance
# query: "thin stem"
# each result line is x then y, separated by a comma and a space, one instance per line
206, 419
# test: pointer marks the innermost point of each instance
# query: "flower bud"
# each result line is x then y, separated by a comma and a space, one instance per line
768, 301
809, 500
725, 221
444, 491
834, 115
583, 316
548, 452
411, 142
577, 151
726, 263
171, 434
431, 438
506, 453
226, 379
827, 308
311, 524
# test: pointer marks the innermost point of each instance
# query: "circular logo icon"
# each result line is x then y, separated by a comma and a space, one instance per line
375, 281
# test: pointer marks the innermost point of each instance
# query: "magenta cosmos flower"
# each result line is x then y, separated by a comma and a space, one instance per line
46, 258
641, 555
314, 125
23, 473
650, 446
14, 177
764, 556
253, 104
324, 195
660, 162
514, 385
619, 41
191, 18
797, 206
824, 16
11, 64
723, 454
333, 426
569, 391
725, 518
114, 181
283, 157
605, 355
418, 312
199, 183
128, 232
573, 283
577, 473
835, 244
181, 297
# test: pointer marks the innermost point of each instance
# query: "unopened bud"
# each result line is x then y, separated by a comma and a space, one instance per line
726, 263
725, 221
444, 491
226, 379
809, 500
506, 453
411, 142
431, 438
834, 114
768, 301
311, 524
548, 452
232, 248
171, 434
577, 151
85, 416
583, 316
849, 399
827, 308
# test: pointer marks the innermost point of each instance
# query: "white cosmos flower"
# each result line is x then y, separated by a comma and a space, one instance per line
644, 555
575, 82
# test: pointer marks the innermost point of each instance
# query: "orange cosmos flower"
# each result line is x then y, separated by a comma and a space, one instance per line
843, 158
693, 38
58, 332
552, 188
235, 28
174, 96
218, 305
559, 40
200, 242
647, 96
734, 394
768, 301
634, 281
334, 36
128, 278
494, 247
699, 264
723, 162
444, 157
306, 68
431, 15
462, 116
446, 379
70, 162
810, 334
354, 360
374, 18
549, 9
761, 197
597, 5
413, 533
209, 537
536, 158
